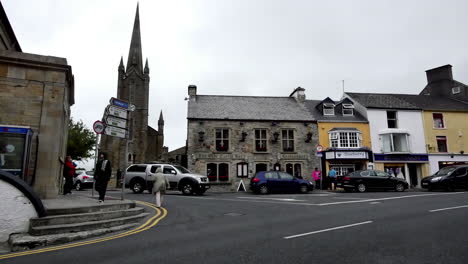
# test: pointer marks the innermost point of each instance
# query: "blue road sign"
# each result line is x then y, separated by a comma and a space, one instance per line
119, 103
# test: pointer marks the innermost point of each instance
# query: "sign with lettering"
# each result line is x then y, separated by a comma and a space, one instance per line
347, 155
402, 157
116, 132
116, 111
115, 121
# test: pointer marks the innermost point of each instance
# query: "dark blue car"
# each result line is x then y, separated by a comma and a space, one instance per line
277, 181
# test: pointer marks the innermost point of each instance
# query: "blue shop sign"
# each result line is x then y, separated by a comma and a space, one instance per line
14, 130
401, 157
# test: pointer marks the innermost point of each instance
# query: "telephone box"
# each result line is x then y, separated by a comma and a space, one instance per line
15, 148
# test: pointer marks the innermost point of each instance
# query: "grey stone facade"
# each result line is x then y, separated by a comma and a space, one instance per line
242, 151
145, 143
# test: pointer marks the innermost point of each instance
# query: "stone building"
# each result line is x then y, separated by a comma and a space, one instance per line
145, 142
230, 138
36, 93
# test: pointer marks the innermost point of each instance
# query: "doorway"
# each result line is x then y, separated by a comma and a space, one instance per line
413, 175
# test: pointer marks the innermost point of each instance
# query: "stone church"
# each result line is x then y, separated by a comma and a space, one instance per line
145, 143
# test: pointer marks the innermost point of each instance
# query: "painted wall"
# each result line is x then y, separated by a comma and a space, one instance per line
325, 127
411, 121
16, 210
456, 131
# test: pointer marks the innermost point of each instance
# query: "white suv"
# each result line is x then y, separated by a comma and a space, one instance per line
138, 178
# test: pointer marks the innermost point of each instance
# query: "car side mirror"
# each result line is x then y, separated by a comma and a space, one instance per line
174, 172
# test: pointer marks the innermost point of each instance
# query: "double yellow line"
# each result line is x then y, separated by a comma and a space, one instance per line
161, 213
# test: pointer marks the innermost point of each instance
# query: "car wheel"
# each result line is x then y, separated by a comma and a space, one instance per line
400, 187
263, 189
187, 188
137, 187
78, 186
304, 189
361, 187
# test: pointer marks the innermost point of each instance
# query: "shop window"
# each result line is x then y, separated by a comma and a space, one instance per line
222, 139
288, 140
392, 119
294, 169
441, 143
217, 172
260, 140
438, 120
345, 139
242, 169
395, 142
342, 170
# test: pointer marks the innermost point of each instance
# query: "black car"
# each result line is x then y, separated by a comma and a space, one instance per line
448, 178
364, 180
277, 181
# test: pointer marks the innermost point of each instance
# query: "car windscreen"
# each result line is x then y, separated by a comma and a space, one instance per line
445, 171
182, 169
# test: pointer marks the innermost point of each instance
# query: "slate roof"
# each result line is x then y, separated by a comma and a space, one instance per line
247, 108
311, 105
408, 101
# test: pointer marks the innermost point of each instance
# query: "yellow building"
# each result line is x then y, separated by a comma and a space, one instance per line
344, 136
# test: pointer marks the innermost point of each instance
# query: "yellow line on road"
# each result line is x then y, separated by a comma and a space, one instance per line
161, 213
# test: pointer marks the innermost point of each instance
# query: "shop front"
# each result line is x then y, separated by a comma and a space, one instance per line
438, 161
411, 167
346, 161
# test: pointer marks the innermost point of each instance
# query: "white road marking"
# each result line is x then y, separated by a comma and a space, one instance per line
391, 198
328, 229
374, 202
244, 201
448, 208
349, 198
275, 199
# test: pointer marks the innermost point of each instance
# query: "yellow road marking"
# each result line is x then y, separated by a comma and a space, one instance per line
161, 213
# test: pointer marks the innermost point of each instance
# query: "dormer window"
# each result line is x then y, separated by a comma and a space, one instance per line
348, 109
456, 90
328, 109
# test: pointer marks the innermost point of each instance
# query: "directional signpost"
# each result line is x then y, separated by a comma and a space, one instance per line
115, 123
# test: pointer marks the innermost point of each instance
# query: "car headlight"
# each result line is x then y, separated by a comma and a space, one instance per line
311, 183
436, 179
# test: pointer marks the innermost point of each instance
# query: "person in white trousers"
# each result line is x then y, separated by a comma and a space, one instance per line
159, 186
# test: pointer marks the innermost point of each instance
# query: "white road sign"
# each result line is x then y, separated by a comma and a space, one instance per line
116, 132
116, 111
115, 121
98, 127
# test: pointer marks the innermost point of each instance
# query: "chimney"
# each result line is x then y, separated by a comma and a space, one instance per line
439, 74
300, 94
192, 91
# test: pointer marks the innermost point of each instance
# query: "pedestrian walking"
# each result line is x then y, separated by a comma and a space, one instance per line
317, 175
68, 174
332, 177
102, 175
160, 185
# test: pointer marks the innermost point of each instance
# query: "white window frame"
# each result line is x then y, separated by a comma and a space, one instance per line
328, 109
286, 141
261, 139
348, 107
335, 136
392, 145
456, 90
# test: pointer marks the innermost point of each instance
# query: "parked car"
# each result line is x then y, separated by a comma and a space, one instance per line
277, 181
83, 179
138, 177
448, 178
364, 180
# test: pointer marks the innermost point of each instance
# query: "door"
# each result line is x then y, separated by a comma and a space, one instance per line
461, 178
384, 180
287, 182
369, 178
273, 181
171, 175
260, 167
413, 174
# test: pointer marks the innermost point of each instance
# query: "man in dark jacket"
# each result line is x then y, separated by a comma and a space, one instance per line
102, 175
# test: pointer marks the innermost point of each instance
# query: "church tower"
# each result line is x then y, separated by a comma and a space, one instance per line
133, 86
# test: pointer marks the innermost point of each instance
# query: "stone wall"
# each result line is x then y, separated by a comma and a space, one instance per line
200, 153
37, 91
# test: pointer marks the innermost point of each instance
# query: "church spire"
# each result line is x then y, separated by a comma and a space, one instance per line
135, 59
146, 71
121, 65
161, 123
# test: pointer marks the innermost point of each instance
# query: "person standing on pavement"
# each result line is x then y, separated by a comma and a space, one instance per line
317, 175
332, 178
160, 185
68, 174
102, 175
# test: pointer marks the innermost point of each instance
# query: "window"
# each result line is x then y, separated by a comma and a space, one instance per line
381, 174
154, 167
260, 140
342, 170
348, 109
271, 175
441, 143
137, 168
345, 139
260, 167
168, 170
456, 90
294, 169
395, 142
288, 140
285, 176
328, 109
217, 172
438, 120
459, 172
222, 139
242, 169
392, 119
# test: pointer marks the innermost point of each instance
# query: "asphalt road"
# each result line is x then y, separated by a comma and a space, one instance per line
382, 227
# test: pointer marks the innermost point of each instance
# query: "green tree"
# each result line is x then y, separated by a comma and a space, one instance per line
81, 140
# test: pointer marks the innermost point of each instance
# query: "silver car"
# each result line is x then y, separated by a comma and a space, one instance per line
83, 179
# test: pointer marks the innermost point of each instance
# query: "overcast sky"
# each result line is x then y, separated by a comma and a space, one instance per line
244, 47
